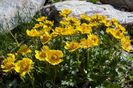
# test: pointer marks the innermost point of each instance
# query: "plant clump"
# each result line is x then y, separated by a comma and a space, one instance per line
72, 53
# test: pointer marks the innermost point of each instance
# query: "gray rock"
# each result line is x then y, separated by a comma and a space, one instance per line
80, 7
13, 12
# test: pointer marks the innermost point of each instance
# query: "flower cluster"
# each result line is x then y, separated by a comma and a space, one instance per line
88, 29
51, 56
22, 66
120, 33
86, 25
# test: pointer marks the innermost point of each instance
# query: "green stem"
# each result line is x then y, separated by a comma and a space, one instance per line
55, 70
32, 78
14, 38
77, 54
87, 59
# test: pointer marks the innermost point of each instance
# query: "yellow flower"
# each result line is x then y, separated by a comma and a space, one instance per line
45, 38
65, 12
63, 31
42, 18
37, 26
107, 23
48, 23
72, 46
54, 57
85, 43
121, 28
97, 20
40, 55
114, 21
109, 30
117, 33
64, 23
73, 21
23, 66
57, 31
42, 26
85, 17
32, 33
85, 29
94, 39
93, 24
68, 31
45, 27
126, 43
8, 63
24, 49
44, 48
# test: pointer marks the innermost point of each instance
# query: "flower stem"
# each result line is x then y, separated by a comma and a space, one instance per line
14, 38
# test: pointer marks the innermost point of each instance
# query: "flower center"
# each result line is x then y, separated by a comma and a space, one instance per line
54, 57
42, 55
